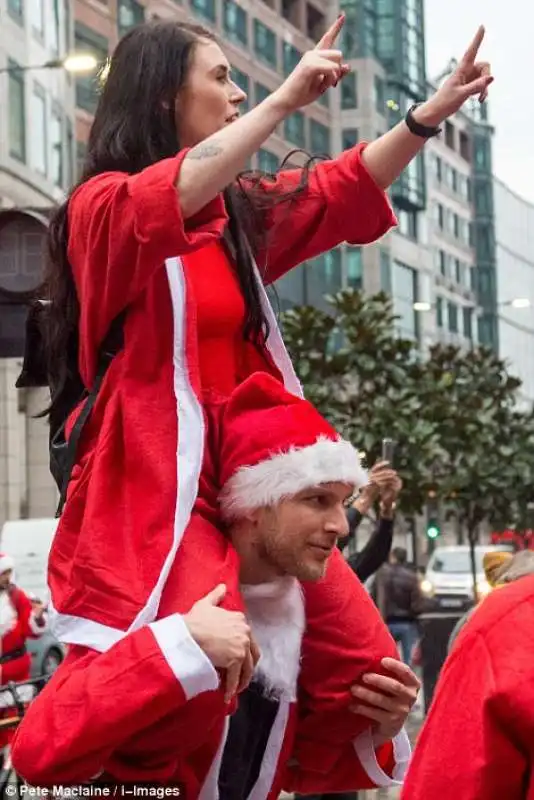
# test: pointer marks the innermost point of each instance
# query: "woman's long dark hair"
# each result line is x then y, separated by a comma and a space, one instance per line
134, 127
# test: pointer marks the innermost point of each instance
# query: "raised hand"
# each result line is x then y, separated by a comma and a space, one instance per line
317, 71
469, 79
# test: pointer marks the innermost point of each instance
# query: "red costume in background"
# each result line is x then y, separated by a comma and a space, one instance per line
478, 740
136, 542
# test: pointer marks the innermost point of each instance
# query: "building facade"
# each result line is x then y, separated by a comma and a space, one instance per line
36, 168
514, 228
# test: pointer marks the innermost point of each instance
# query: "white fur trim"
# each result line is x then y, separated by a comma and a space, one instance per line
365, 750
190, 665
277, 618
8, 614
6, 562
287, 474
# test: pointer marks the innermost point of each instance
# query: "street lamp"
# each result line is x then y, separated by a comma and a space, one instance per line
422, 306
76, 63
517, 302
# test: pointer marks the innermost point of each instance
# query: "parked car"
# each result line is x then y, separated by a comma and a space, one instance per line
28, 541
448, 578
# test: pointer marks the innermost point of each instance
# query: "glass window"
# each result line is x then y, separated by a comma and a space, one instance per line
56, 149
380, 95
349, 91
407, 223
439, 312
294, 129
17, 115
265, 43
354, 267
129, 14
241, 79
36, 15
443, 263
267, 161
404, 297
261, 92
205, 8
458, 270
349, 138
385, 271
16, 10
291, 57
319, 138
456, 226
468, 323
38, 128
86, 40
53, 28
235, 22
453, 317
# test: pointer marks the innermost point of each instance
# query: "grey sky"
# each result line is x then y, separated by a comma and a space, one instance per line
508, 46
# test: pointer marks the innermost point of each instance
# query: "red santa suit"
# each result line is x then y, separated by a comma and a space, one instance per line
151, 707
17, 624
478, 740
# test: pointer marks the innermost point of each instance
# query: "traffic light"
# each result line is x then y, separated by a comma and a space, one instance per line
432, 529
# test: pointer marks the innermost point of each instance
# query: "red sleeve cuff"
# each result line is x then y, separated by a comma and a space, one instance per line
158, 213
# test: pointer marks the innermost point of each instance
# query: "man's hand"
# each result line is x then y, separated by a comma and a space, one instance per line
38, 609
225, 638
387, 700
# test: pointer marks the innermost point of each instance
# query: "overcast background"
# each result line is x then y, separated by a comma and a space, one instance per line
509, 46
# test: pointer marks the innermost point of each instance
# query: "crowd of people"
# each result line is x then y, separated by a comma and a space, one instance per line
218, 640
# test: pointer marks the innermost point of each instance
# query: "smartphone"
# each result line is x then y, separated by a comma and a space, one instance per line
388, 450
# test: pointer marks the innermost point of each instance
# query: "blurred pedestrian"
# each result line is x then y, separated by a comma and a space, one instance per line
398, 596
20, 619
384, 485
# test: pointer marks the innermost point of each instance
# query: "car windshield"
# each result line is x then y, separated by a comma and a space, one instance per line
455, 561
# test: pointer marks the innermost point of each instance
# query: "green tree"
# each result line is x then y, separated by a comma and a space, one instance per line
367, 385
455, 417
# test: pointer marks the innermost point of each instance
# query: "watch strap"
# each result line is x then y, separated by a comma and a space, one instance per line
424, 131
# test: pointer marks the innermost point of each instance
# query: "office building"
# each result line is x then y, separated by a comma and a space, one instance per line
514, 229
36, 167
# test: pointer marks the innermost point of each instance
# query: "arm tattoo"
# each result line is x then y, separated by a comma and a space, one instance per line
202, 151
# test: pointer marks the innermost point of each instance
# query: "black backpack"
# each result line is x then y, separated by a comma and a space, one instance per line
62, 452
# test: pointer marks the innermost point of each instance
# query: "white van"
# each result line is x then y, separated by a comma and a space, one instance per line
449, 580
28, 542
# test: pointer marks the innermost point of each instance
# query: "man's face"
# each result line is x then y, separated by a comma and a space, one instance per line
297, 536
5, 578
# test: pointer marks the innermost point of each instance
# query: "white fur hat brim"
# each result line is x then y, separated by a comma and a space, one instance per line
286, 474
6, 563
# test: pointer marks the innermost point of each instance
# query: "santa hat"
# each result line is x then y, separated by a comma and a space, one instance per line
275, 445
6, 562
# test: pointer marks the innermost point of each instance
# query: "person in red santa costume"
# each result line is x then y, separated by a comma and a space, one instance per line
482, 747
164, 233
160, 705
19, 620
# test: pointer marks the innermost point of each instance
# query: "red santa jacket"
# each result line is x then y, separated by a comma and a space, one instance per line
151, 708
17, 624
134, 487
478, 740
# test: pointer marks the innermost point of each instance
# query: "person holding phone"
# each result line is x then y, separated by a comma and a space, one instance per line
384, 485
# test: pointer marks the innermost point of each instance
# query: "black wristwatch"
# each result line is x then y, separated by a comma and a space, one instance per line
424, 131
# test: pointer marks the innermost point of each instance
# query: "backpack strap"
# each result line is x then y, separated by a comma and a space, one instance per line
111, 345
